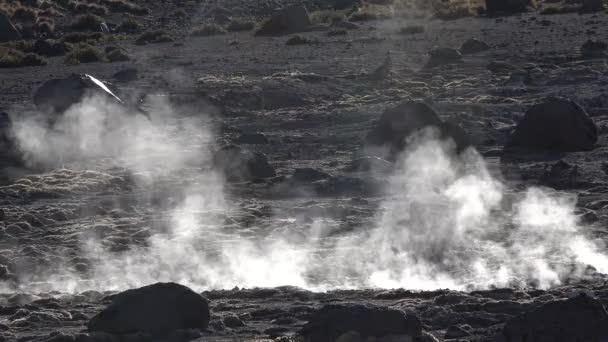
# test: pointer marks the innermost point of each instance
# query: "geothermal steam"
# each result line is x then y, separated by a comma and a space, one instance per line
445, 222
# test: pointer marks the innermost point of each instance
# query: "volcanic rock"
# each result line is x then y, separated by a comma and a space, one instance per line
472, 46
126, 75
443, 56
581, 318
334, 320
238, 164
557, 124
507, 6
290, 19
592, 6
157, 308
8, 32
594, 49
399, 123
58, 95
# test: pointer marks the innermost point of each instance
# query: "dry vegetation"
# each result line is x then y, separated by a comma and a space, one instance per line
208, 30
12, 58
84, 53
158, 36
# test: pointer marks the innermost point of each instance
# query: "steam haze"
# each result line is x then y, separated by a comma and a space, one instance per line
445, 221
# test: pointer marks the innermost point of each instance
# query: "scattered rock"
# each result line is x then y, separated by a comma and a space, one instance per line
334, 320
594, 49
58, 95
309, 175
8, 32
557, 124
399, 123
291, 19
299, 40
238, 164
233, 321
157, 308
443, 56
507, 6
581, 318
347, 25
472, 46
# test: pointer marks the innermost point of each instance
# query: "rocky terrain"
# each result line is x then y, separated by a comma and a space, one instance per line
318, 171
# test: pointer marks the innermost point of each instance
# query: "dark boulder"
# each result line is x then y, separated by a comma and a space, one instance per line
8, 32
58, 95
290, 19
557, 124
594, 49
157, 309
399, 123
49, 47
126, 75
590, 6
472, 46
508, 6
238, 164
335, 320
443, 56
581, 318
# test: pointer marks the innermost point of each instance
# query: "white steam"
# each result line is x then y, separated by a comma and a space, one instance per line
445, 222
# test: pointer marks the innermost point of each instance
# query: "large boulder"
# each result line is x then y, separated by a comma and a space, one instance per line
557, 124
508, 6
290, 19
155, 309
335, 320
8, 32
57, 95
399, 123
581, 318
443, 56
239, 164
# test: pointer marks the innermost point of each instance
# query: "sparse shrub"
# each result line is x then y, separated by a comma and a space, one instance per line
371, 12
158, 36
11, 58
412, 29
115, 54
236, 25
25, 14
451, 10
86, 22
551, 10
123, 6
208, 30
327, 16
24, 46
79, 37
84, 53
90, 8
129, 26
299, 40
